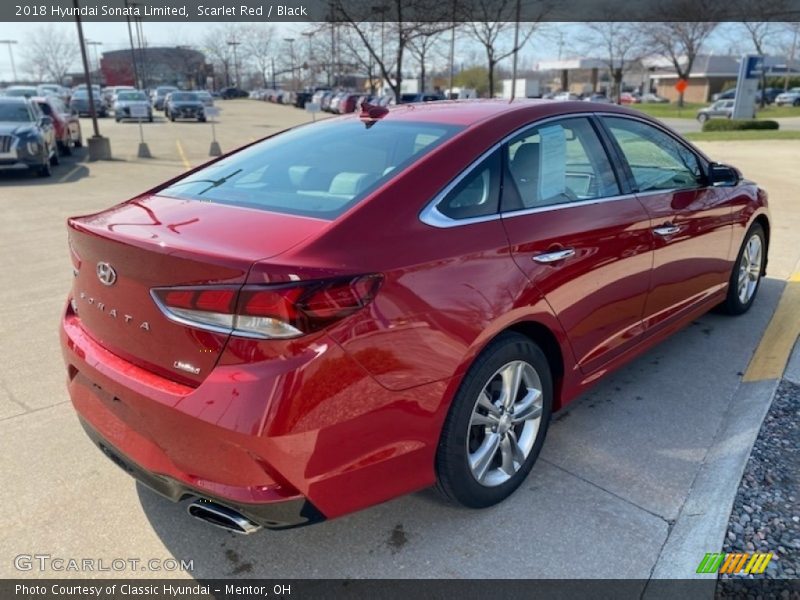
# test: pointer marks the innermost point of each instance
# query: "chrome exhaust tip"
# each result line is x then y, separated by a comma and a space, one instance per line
222, 517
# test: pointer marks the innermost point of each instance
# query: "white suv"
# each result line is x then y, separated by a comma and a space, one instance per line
791, 97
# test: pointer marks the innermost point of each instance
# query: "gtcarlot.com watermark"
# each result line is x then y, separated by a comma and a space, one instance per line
48, 563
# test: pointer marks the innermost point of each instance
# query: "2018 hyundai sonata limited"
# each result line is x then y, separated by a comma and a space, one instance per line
366, 306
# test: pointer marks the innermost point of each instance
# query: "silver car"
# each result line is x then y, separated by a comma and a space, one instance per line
790, 98
126, 103
720, 108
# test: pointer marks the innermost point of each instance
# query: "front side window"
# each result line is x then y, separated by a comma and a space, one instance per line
559, 162
657, 160
319, 170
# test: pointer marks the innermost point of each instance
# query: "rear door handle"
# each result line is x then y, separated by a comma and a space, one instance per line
555, 256
666, 230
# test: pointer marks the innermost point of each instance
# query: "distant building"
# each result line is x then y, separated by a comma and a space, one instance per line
183, 67
710, 74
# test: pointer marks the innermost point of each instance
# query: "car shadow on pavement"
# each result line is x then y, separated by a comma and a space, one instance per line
617, 465
69, 170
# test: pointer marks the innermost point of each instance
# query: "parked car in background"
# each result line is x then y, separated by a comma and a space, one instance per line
629, 98
205, 97
229, 93
600, 98
22, 91
720, 109
302, 98
728, 94
427, 97
53, 89
66, 123
282, 362
184, 105
650, 98
79, 102
128, 101
788, 98
159, 95
769, 94
568, 96
27, 137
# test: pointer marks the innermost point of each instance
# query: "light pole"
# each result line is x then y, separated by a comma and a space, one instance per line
10, 43
290, 41
96, 60
136, 81
234, 43
308, 35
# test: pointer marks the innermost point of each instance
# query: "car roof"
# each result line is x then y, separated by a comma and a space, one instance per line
17, 99
472, 112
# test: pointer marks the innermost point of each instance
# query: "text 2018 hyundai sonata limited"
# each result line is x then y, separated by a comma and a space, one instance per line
366, 306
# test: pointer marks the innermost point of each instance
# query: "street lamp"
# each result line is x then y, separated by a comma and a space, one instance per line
291, 58
10, 43
234, 43
96, 60
308, 35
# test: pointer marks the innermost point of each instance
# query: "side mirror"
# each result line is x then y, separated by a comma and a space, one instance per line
46, 121
724, 175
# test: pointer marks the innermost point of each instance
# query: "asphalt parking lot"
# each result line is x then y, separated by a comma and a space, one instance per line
620, 474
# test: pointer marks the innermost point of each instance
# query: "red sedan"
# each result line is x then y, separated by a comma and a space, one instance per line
66, 123
370, 305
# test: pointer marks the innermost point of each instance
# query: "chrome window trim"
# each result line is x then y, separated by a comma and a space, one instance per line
431, 215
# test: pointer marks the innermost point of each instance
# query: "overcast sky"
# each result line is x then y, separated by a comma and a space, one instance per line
115, 36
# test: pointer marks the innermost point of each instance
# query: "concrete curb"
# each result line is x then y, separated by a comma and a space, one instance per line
792, 372
703, 519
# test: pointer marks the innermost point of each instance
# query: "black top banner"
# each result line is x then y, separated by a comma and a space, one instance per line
402, 10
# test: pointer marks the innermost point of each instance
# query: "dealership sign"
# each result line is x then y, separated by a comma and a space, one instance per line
750, 70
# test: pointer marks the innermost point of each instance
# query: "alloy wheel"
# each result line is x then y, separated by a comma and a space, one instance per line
749, 269
504, 423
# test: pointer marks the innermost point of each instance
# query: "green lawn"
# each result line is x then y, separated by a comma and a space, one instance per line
689, 110
750, 134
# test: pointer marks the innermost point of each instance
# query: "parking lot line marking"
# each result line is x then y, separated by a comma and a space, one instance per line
775, 347
69, 173
184, 160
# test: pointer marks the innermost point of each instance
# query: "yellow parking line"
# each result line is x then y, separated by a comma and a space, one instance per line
776, 344
184, 160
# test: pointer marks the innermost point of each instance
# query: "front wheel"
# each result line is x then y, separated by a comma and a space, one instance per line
702, 118
497, 423
747, 272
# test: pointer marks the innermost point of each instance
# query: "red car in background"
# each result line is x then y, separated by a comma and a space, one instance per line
366, 306
67, 124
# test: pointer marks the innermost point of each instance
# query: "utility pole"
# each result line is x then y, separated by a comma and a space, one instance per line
96, 60
290, 41
791, 57
309, 60
10, 43
99, 147
452, 51
516, 54
136, 81
234, 43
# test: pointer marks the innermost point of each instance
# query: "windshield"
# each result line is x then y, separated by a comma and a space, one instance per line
164, 91
21, 92
83, 95
183, 96
13, 111
128, 96
319, 170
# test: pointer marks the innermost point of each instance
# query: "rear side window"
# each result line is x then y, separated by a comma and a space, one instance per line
657, 160
318, 171
477, 194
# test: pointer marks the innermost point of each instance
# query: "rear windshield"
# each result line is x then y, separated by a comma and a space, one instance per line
318, 171
131, 96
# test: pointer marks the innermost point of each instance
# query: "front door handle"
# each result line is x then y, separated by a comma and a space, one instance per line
666, 230
555, 256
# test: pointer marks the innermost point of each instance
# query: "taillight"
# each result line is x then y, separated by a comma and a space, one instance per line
268, 311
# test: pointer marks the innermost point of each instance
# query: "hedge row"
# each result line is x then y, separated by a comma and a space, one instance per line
738, 124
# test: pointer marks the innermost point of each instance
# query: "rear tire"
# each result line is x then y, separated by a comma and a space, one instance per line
702, 118
497, 423
747, 272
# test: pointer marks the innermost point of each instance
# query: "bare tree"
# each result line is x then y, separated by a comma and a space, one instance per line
491, 23
352, 52
622, 45
681, 42
422, 44
217, 46
258, 43
50, 53
400, 31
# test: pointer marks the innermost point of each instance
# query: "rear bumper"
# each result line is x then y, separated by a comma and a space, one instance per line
286, 441
275, 515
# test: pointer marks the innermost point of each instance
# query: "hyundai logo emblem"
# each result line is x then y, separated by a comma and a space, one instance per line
106, 273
